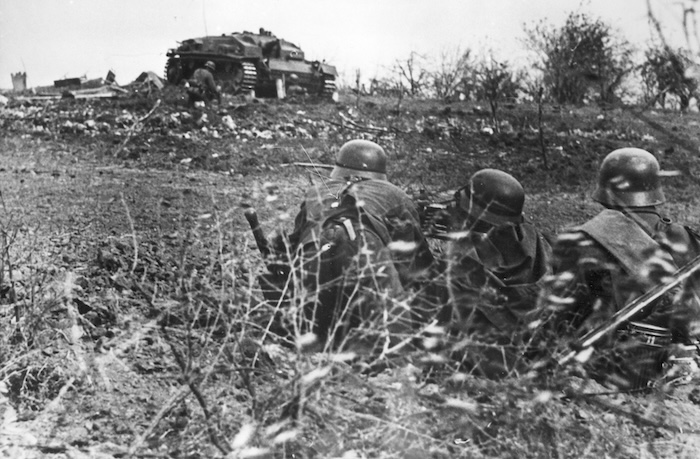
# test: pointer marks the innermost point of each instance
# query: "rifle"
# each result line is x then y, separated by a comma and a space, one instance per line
274, 281
309, 165
628, 311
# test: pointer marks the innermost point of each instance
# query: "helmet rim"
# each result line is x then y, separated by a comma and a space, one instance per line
339, 171
493, 213
617, 198
360, 158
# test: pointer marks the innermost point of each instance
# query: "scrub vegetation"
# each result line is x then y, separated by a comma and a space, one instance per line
133, 324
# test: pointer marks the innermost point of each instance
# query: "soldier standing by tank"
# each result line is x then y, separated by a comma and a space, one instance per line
356, 246
202, 85
615, 257
495, 265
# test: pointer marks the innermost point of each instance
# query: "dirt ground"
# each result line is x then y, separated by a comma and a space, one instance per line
131, 324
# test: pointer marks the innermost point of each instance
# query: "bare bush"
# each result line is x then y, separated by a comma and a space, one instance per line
665, 72
452, 73
585, 54
412, 74
385, 87
496, 82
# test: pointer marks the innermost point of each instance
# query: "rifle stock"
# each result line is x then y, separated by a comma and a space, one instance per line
263, 245
632, 308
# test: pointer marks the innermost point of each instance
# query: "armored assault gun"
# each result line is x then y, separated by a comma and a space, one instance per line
248, 62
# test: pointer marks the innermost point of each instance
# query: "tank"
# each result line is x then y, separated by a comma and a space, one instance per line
248, 62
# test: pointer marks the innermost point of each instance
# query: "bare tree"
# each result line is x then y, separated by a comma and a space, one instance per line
496, 82
689, 25
412, 74
451, 69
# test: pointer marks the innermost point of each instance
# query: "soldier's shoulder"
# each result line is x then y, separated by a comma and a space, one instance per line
571, 235
575, 250
677, 235
384, 187
532, 230
574, 240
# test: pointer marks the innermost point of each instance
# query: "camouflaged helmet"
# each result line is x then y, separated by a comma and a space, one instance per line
629, 177
210, 65
360, 158
494, 197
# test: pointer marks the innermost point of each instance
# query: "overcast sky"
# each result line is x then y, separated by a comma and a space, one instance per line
54, 39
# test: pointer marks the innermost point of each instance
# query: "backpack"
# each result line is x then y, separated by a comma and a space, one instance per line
326, 258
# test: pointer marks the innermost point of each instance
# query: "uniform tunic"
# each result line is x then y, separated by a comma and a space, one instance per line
616, 257
204, 85
355, 242
495, 277
493, 280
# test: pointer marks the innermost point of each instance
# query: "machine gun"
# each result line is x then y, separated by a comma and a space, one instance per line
435, 217
274, 282
586, 343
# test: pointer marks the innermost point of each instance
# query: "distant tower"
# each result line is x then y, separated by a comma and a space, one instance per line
19, 81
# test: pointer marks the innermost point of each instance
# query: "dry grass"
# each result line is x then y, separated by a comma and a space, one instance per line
137, 328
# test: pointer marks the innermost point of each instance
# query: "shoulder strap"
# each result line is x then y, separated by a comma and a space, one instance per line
622, 237
692, 232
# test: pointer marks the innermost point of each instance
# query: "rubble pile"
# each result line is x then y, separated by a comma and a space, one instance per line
91, 118
235, 118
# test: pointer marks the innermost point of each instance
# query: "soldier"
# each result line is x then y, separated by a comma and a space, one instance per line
202, 86
293, 87
356, 246
494, 247
496, 263
615, 257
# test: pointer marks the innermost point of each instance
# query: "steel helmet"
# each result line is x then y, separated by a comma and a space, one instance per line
629, 177
494, 197
210, 65
360, 158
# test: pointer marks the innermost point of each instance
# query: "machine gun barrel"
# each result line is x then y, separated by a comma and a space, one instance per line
632, 308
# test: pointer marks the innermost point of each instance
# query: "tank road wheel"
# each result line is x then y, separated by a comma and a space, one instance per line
328, 89
250, 77
239, 77
173, 71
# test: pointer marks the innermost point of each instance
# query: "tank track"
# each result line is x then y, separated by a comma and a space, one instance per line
329, 87
171, 63
250, 77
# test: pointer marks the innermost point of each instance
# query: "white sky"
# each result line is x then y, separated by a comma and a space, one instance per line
54, 39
